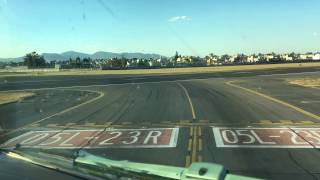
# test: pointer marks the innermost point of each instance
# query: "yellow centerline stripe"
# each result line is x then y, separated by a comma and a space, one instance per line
276, 100
194, 146
306, 122
190, 145
70, 124
107, 123
204, 121
188, 159
189, 99
266, 122
184, 121
286, 121
200, 144
165, 121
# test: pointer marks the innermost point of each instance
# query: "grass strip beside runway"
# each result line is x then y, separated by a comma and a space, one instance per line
9, 97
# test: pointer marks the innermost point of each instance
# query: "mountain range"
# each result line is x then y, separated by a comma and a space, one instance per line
97, 55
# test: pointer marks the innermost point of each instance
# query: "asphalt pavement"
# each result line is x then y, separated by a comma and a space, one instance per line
254, 123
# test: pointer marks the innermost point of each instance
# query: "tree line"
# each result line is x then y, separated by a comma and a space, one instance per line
34, 60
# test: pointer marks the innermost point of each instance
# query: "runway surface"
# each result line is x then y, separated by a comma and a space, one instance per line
253, 122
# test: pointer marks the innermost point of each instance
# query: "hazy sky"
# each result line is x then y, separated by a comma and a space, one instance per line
191, 27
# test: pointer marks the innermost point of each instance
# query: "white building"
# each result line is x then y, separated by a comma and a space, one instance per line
316, 57
268, 57
286, 57
232, 58
307, 56
57, 66
184, 60
179, 60
252, 59
212, 60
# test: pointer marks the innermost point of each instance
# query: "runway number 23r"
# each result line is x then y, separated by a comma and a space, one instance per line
143, 138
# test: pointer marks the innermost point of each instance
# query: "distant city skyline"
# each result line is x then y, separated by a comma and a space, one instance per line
163, 27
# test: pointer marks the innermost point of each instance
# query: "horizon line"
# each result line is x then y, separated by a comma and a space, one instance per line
255, 53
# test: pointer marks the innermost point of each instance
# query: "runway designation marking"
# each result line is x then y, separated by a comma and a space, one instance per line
267, 137
115, 138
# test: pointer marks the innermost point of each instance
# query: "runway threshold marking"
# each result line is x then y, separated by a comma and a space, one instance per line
226, 137
97, 138
230, 83
189, 100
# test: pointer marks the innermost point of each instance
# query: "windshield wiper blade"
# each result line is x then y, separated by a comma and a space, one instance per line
89, 166
86, 159
50, 161
199, 170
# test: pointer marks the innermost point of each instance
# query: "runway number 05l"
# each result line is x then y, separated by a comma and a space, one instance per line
267, 137
115, 138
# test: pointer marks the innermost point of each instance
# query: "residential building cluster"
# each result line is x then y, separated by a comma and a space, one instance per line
185, 61
179, 61
212, 59
209, 60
